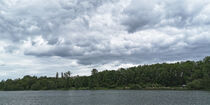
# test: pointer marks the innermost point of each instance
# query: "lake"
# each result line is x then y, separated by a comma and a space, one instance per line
105, 97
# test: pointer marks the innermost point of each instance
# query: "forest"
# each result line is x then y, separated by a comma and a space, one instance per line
193, 75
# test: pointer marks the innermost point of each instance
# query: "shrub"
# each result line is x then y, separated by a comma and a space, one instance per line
195, 84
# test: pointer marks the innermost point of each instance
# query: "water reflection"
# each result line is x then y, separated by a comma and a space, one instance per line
102, 97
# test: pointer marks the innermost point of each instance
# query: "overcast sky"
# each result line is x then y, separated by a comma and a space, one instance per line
42, 37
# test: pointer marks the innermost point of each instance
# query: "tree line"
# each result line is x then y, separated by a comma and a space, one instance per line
187, 75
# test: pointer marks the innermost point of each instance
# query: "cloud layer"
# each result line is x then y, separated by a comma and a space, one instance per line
54, 35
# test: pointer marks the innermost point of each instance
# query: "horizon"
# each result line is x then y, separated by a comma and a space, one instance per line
72, 75
44, 37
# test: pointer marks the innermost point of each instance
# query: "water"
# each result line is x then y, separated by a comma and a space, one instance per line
105, 97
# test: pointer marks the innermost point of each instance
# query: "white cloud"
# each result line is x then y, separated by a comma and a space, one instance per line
43, 37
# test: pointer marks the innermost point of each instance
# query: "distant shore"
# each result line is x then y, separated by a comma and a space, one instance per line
117, 88
129, 88
188, 75
120, 88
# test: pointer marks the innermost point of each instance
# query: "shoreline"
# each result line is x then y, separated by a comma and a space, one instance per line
100, 88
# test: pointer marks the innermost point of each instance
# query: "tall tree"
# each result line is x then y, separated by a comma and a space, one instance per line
94, 71
57, 75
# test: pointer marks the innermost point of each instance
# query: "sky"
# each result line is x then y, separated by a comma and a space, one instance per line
42, 37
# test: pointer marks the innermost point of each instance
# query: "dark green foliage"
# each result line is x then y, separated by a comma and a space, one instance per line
193, 75
195, 84
135, 86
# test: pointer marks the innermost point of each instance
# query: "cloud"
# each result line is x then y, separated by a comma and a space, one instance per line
143, 14
49, 36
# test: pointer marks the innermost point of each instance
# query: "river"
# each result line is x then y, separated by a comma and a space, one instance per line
105, 97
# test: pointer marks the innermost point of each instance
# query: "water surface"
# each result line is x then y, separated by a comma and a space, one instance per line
105, 97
